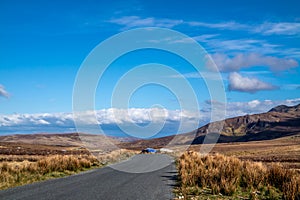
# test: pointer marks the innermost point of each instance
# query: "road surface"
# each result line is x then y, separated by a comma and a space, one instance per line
107, 183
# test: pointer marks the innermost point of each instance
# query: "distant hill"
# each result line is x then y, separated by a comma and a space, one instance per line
92, 142
66, 139
279, 122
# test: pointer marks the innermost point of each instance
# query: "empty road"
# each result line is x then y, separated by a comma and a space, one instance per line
132, 179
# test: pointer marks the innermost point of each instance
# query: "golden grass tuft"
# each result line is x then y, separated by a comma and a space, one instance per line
116, 156
228, 176
60, 163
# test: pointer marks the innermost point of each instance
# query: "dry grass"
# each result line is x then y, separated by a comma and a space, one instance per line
283, 150
115, 156
18, 170
19, 173
224, 175
60, 163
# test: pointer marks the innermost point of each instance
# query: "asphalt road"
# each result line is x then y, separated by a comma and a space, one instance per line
137, 180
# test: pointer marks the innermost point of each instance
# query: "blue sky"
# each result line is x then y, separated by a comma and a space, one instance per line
256, 46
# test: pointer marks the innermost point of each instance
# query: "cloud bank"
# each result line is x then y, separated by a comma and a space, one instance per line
109, 119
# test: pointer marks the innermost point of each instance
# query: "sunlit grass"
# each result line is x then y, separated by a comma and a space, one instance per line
228, 177
25, 169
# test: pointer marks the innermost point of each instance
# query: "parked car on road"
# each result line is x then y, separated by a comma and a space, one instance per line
149, 150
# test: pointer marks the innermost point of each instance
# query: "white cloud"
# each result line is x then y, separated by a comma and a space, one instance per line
110, 120
203, 75
246, 84
267, 28
3, 92
202, 38
137, 115
255, 106
228, 64
103, 117
237, 44
63, 122
136, 21
254, 103
281, 28
215, 44
205, 37
230, 25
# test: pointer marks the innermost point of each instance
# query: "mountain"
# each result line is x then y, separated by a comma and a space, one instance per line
279, 122
284, 108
